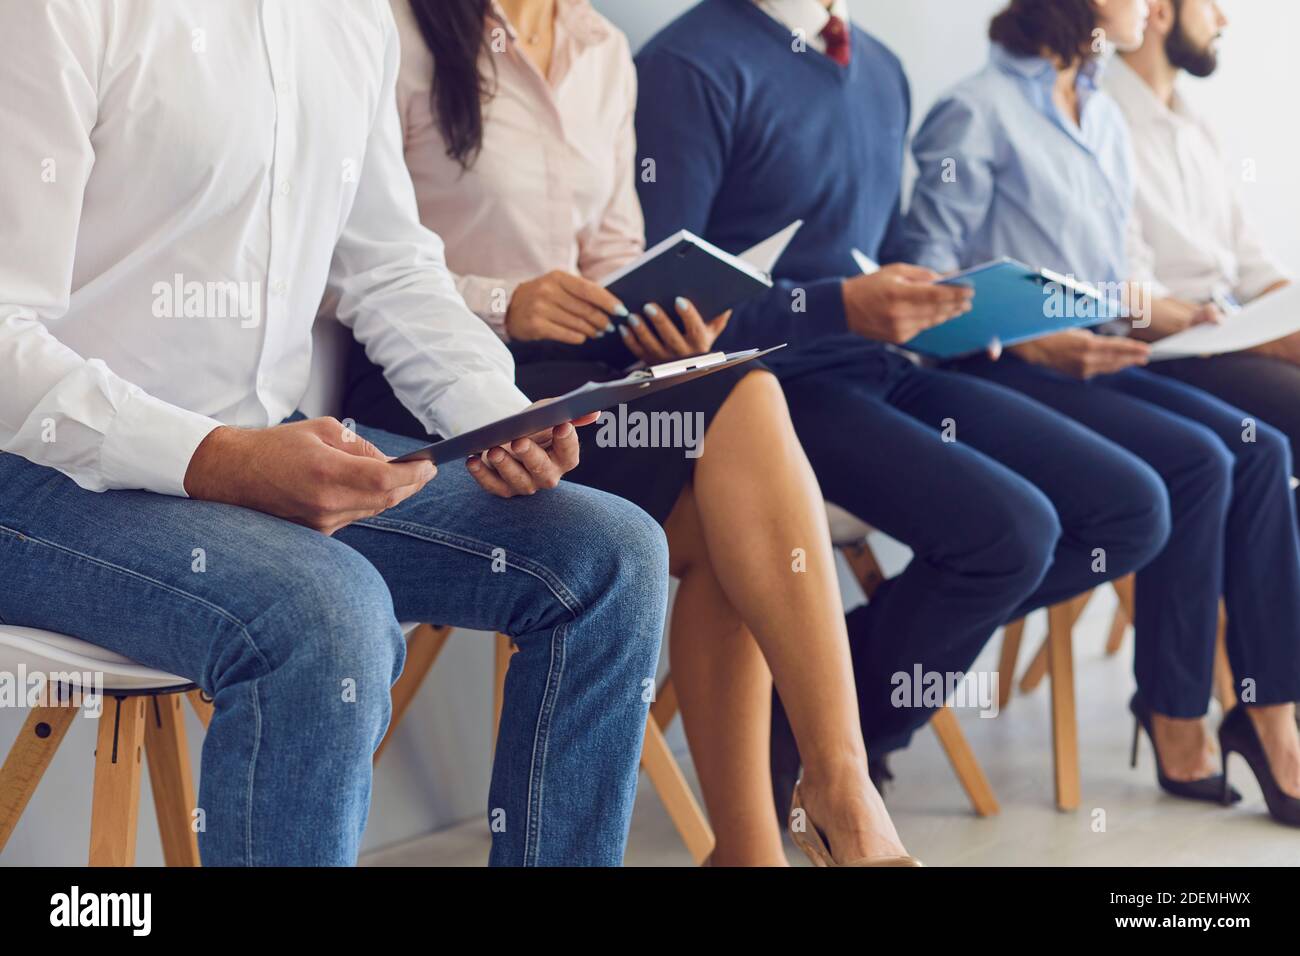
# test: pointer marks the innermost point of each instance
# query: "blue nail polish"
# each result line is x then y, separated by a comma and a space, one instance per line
622, 330
634, 320
682, 304
621, 311
609, 327
651, 309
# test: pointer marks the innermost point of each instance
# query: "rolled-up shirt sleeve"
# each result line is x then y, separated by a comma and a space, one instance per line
394, 291
58, 408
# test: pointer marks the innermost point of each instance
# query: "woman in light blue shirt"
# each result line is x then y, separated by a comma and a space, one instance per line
1029, 159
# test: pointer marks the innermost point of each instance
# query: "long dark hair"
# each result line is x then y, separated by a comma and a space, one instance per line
1064, 27
455, 32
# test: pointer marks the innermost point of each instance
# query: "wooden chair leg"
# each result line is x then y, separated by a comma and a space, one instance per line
661, 767
1225, 686
505, 649
1037, 670
665, 707
170, 778
1065, 731
1124, 590
202, 707
115, 806
42, 732
969, 773
422, 649
1012, 635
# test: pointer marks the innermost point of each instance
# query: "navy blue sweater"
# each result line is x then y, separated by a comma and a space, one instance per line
746, 135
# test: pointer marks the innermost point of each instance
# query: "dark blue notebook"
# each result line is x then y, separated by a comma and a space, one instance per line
688, 266
1013, 304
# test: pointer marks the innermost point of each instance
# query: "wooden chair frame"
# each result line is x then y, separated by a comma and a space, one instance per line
131, 727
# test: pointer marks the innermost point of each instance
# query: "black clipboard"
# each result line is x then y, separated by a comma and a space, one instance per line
592, 397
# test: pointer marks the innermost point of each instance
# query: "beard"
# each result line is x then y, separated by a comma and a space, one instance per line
1185, 56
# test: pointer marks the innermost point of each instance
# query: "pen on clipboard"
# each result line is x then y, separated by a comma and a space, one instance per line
1224, 302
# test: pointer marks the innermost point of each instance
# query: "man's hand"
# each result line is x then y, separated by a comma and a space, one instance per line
531, 464
314, 473
563, 308
656, 339
1083, 354
1169, 316
900, 301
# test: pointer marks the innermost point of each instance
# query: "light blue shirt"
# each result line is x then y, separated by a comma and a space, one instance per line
1003, 172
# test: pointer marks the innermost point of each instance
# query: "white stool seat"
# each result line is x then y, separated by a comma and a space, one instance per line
68, 658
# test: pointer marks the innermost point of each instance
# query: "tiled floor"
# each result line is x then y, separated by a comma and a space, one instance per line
1123, 819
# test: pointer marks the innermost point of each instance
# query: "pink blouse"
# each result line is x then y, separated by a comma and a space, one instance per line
554, 187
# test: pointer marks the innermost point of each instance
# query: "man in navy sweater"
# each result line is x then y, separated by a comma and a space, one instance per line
755, 113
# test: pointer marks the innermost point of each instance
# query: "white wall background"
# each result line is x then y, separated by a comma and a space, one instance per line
437, 771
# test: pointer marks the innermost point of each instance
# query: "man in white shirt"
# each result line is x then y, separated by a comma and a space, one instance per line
181, 184
1192, 240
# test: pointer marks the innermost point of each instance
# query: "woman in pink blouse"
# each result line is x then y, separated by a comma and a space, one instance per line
518, 119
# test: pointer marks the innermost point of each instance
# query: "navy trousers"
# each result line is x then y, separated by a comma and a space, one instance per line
1234, 530
1006, 505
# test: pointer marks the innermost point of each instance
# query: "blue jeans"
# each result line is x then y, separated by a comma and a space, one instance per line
295, 636
1233, 530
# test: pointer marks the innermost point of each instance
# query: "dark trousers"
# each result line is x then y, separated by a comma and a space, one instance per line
1264, 387
1234, 530
1006, 517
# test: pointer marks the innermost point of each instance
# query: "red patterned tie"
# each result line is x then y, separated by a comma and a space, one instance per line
838, 45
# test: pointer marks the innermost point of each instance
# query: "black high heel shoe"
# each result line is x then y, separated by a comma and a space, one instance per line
1237, 734
1209, 789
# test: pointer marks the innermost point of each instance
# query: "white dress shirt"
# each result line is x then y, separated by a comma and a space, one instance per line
1190, 238
809, 17
181, 183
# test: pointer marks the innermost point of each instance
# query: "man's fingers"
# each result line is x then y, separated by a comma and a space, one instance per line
584, 420
511, 471
938, 296
337, 435
668, 333
488, 479
565, 447
914, 273
593, 294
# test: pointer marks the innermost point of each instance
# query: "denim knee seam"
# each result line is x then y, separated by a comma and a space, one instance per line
483, 550
541, 738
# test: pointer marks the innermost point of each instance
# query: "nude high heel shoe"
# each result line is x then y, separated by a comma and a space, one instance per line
811, 842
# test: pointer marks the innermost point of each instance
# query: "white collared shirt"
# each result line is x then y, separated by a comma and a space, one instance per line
809, 17
180, 184
1191, 238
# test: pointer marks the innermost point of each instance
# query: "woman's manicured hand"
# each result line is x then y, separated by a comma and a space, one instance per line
653, 336
561, 307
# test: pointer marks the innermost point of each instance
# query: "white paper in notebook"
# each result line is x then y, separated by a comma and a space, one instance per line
767, 253
1265, 320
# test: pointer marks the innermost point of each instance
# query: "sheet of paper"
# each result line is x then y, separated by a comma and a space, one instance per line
864, 262
1265, 320
765, 255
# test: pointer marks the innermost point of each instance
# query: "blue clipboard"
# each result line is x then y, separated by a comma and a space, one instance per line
592, 397
1013, 304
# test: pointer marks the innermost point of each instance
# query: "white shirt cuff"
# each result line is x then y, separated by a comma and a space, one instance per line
474, 401
150, 443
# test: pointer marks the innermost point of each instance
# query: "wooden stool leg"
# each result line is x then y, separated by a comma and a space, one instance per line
115, 807
1065, 731
664, 708
1124, 590
1011, 637
1068, 611
422, 649
505, 649
202, 707
1225, 686
42, 732
969, 773
660, 766
169, 776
